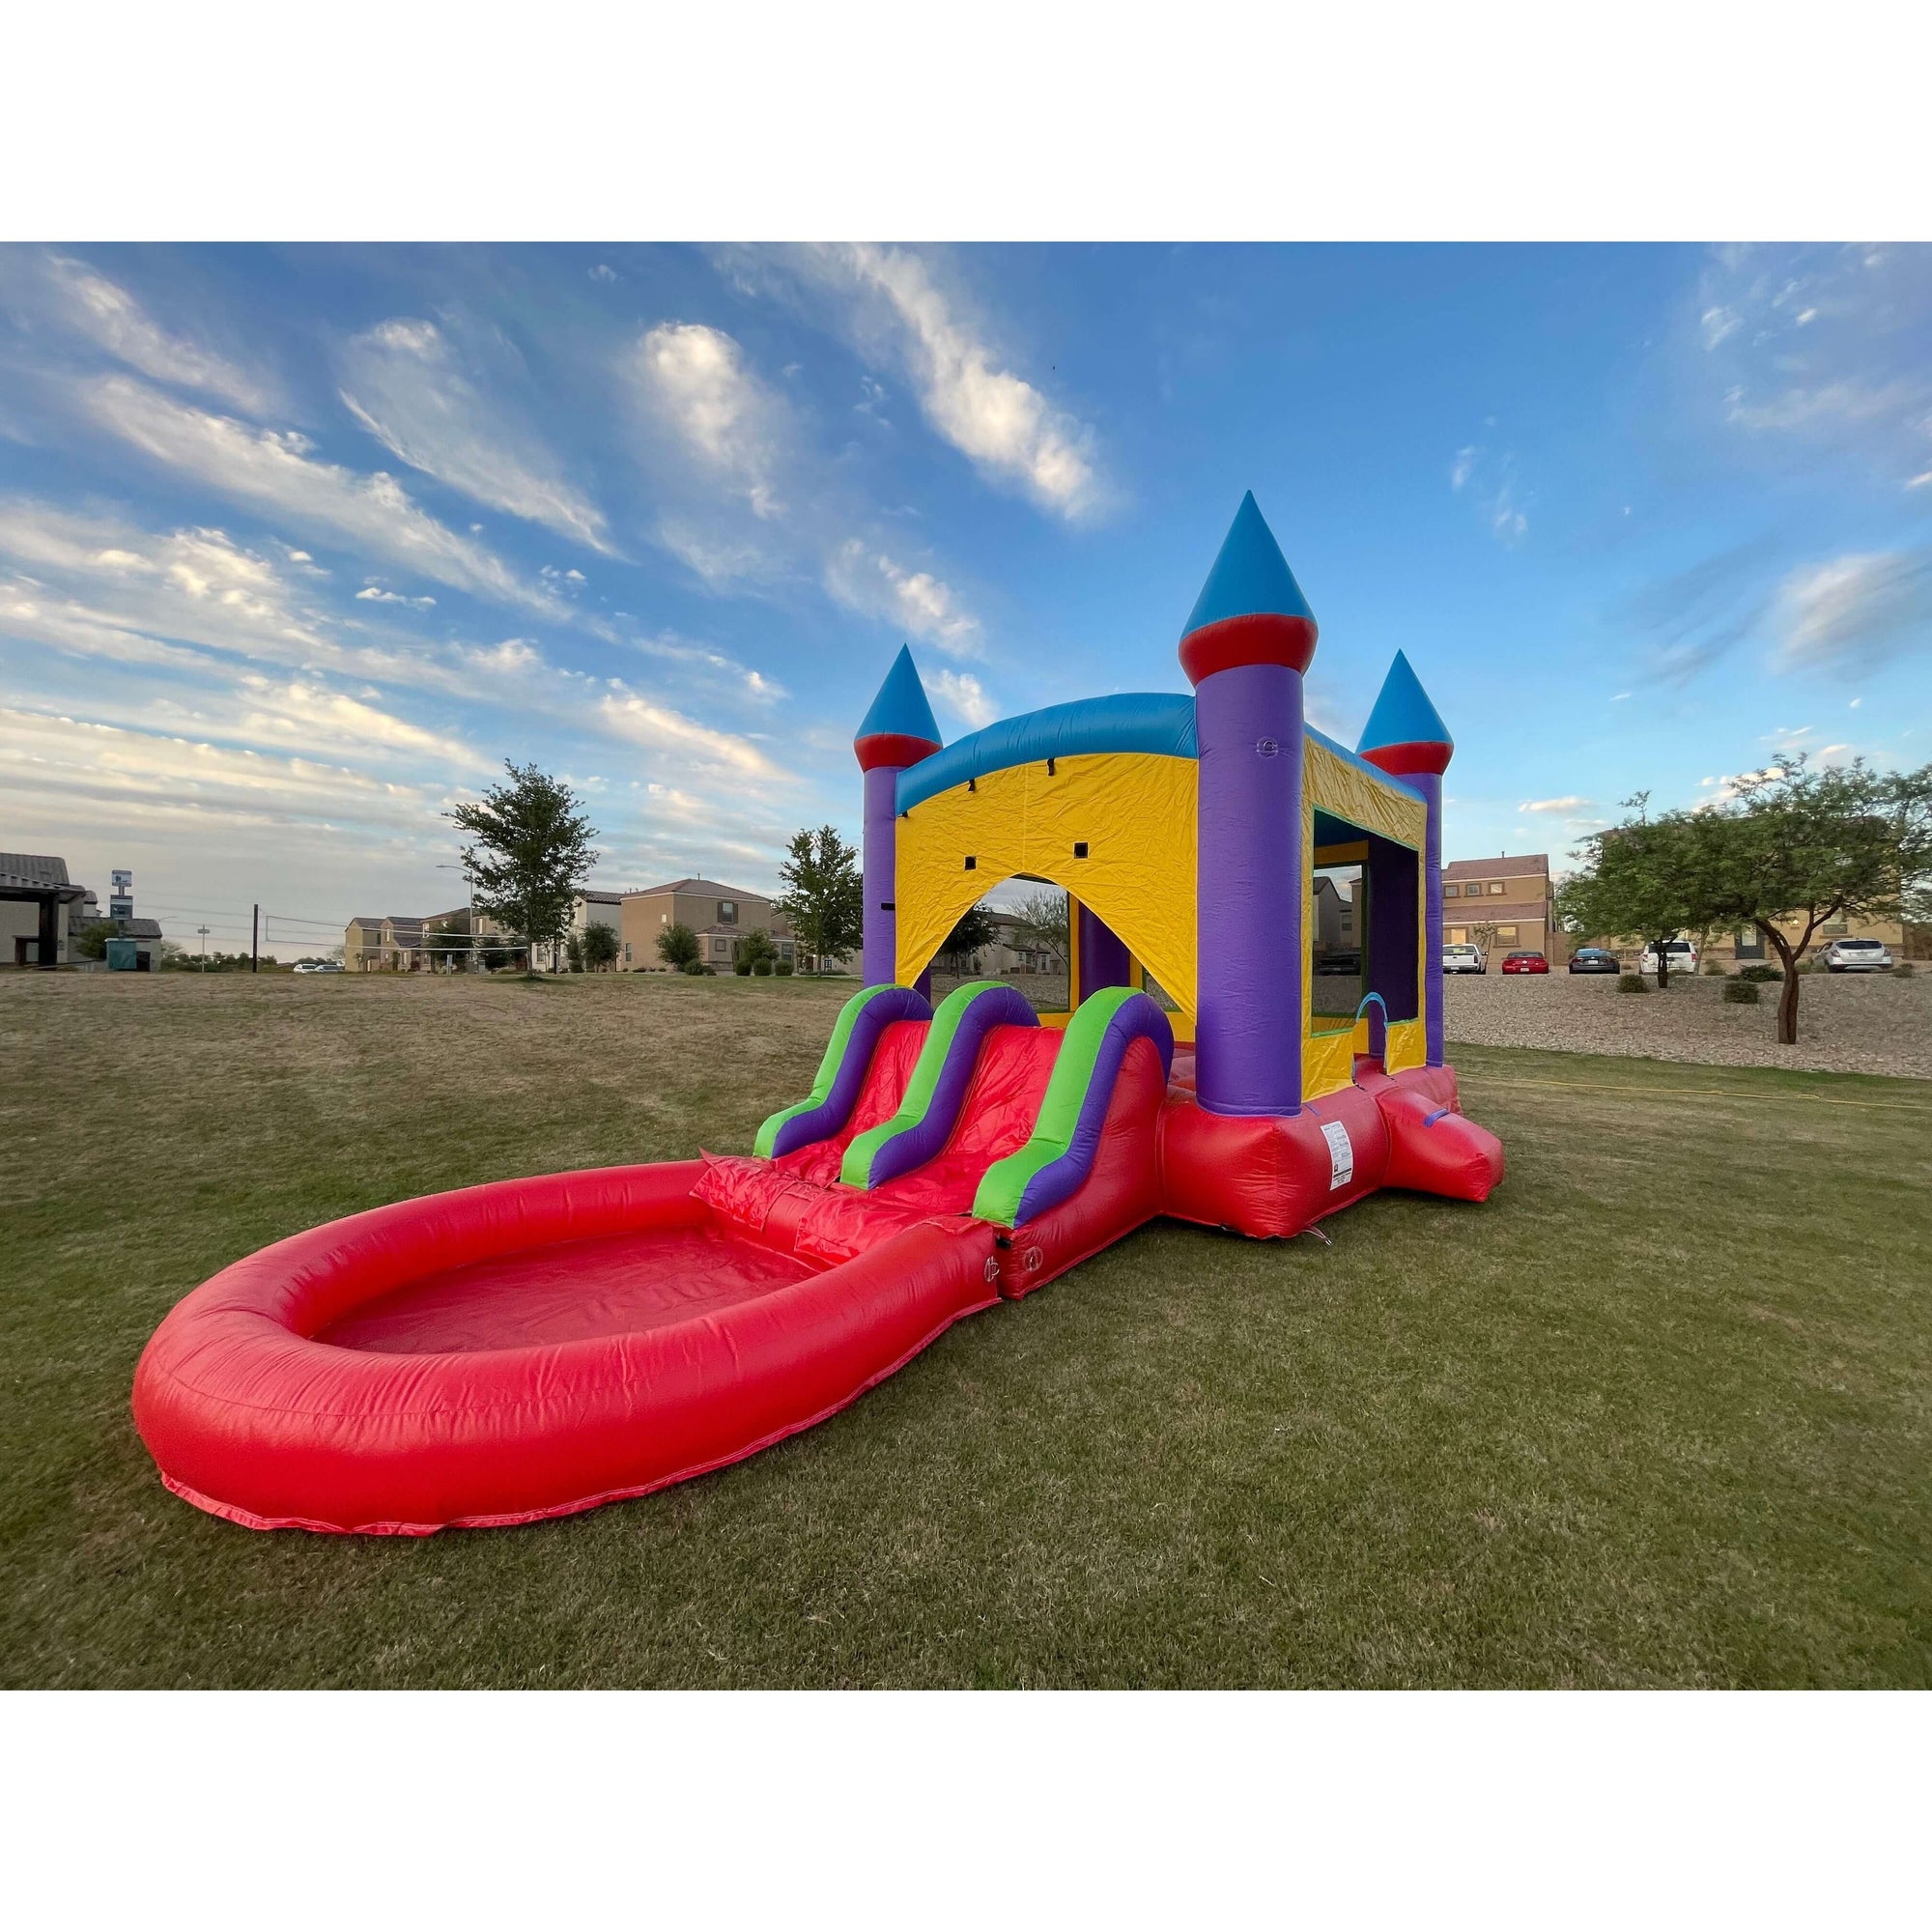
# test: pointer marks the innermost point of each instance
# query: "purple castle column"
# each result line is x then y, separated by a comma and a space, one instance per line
1103, 954
897, 731
1430, 786
1244, 648
1247, 1038
1406, 738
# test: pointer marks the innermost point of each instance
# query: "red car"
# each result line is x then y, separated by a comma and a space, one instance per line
1525, 962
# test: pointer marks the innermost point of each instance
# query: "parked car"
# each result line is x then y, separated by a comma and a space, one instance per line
1525, 962
1857, 956
1595, 959
1464, 959
1682, 955
318, 966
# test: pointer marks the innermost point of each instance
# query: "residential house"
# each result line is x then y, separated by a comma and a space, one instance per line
586, 910
1504, 905
720, 914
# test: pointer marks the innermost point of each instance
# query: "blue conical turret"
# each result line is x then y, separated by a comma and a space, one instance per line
899, 728
1405, 732
1251, 610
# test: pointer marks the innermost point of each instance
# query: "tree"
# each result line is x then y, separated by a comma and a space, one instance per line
823, 898
1800, 848
974, 929
1484, 935
599, 946
530, 856
573, 952
1638, 879
1043, 916
677, 945
93, 941
753, 948
455, 949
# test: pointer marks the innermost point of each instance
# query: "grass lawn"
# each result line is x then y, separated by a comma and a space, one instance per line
1656, 1415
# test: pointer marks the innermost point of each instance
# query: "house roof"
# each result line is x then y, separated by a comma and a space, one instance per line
710, 886
1517, 866
603, 899
32, 869
138, 928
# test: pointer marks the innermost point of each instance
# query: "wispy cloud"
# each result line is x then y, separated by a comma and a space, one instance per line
994, 417
1491, 485
405, 383
1856, 611
1696, 616
641, 721
276, 470
1567, 804
99, 311
1816, 347
869, 580
962, 693
697, 378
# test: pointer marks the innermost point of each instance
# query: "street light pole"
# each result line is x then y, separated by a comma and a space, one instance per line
203, 930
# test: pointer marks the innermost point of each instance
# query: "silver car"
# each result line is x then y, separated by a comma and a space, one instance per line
1464, 959
1857, 956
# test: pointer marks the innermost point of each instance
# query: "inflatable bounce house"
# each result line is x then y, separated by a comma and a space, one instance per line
530, 1347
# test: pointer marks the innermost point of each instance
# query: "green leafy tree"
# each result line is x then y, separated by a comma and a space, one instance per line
1637, 880
677, 945
530, 853
93, 941
753, 948
1797, 850
974, 929
573, 953
822, 894
599, 946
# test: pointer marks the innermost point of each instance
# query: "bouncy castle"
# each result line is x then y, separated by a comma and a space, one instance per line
530, 1347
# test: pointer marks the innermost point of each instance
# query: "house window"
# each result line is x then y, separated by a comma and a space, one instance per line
1452, 892
1456, 936
728, 912
720, 945
1836, 927
1505, 936
627, 952
1496, 886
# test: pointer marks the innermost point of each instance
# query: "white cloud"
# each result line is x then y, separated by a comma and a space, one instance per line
111, 319
603, 273
1619, 698
697, 380
962, 693
1856, 611
1506, 521
1720, 325
407, 384
1465, 467
869, 580
275, 469
993, 417
374, 593
1569, 802
641, 721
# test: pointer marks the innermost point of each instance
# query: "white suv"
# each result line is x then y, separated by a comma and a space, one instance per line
1681, 954
1857, 956
1464, 959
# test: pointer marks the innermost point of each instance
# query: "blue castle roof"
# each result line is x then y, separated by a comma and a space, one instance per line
900, 709
1403, 714
1250, 575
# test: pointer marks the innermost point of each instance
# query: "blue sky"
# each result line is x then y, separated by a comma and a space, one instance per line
297, 545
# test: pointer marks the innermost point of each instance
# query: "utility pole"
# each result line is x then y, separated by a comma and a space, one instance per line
255, 943
203, 930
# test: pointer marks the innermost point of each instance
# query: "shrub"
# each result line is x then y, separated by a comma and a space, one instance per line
1761, 976
677, 946
697, 968
783, 969
1741, 993
1903, 970
762, 968
1712, 969
1632, 982
743, 968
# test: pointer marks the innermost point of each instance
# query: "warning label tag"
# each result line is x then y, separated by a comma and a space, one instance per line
1341, 1155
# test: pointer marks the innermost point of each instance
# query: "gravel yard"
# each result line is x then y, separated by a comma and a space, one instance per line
1847, 1023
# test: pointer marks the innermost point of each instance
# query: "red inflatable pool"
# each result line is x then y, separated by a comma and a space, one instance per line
535, 1346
